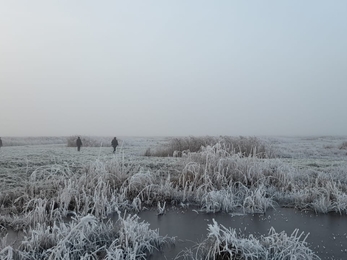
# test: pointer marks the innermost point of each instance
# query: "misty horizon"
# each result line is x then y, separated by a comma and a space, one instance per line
196, 68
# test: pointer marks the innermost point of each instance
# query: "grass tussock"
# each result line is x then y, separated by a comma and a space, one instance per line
49, 196
88, 238
223, 243
219, 181
178, 147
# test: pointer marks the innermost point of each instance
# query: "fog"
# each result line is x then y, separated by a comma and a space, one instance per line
157, 68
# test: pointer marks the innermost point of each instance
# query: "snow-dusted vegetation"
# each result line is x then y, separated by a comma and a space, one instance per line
181, 146
227, 243
64, 203
88, 238
87, 141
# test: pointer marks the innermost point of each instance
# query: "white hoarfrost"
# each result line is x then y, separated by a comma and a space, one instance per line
43, 186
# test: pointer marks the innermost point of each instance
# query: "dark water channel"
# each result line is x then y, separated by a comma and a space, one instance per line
327, 232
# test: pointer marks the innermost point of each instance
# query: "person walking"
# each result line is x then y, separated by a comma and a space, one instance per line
79, 143
0, 142
114, 144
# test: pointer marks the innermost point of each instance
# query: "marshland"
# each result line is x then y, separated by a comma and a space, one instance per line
174, 198
230, 120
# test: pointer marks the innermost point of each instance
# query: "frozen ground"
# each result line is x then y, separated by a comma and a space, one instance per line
307, 151
18, 162
327, 233
42, 184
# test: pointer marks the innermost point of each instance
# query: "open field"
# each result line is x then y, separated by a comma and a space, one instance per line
18, 162
61, 199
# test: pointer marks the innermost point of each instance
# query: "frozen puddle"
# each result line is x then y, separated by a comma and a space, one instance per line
327, 233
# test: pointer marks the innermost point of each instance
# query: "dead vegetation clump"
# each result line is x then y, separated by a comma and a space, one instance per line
225, 243
179, 147
88, 238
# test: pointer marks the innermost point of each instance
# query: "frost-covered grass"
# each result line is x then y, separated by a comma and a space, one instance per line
181, 146
227, 243
305, 148
320, 192
96, 183
230, 181
90, 141
88, 238
21, 141
18, 162
213, 178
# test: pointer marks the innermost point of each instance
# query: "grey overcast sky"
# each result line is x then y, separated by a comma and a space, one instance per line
149, 68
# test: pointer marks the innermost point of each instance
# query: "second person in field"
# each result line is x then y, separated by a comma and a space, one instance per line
114, 144
78, 143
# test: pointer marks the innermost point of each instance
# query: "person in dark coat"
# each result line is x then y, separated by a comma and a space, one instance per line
0, 142
79, 143
114, 144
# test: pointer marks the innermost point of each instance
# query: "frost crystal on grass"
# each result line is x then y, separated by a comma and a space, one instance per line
224, 243
46, 185
88, 238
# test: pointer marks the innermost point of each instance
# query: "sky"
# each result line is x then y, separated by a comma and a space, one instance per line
173, 68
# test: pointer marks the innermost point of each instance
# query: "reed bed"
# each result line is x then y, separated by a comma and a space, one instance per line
246, 146
214, 178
